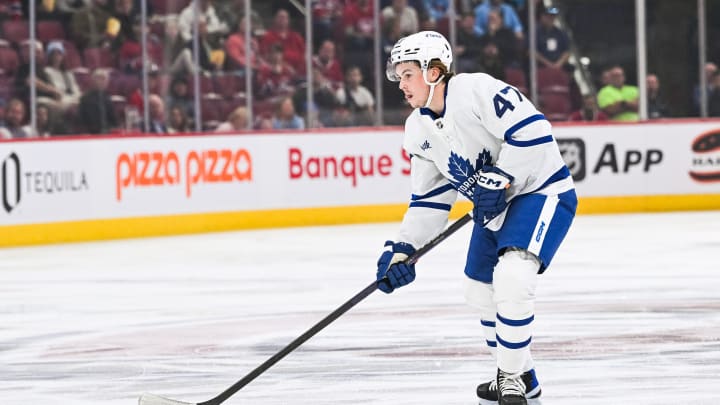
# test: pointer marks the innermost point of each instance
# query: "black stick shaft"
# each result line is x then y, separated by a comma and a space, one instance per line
330, 318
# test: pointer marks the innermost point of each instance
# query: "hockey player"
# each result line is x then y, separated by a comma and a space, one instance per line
478, 136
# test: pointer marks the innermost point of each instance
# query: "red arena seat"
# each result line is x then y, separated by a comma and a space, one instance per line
98, 58
9, 61
48, 30
15, 31
553, 80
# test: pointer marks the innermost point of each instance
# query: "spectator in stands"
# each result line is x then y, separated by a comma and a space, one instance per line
172, 46
264, 122
521, 9
12, 9
66, 90
232, 11
553, 45
279, 77
285, 116
328, 64
127, 17
45, 91
237, 121
235, 50
657, 108
589, 111
356, 98
395, 109
90, 25
326, 14
95, 110
465, 6
15, 126
401, 13
510, 17
292, 43
359, 30
317, 117
392, 32
47, 122
619, 100
323, 112
71, 6
358, 22
503, 39
342, 117
135, 98
156, 112
491, 62
605, 77
214, 28
714, 96
179, 96
468, 49
130, 55
436, 9
210, 58
178, 122
42, 121
710, 69
45, 10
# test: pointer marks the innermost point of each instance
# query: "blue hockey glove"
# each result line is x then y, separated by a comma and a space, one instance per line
489, 194
392, 272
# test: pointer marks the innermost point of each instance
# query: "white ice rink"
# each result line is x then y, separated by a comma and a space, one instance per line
629, 313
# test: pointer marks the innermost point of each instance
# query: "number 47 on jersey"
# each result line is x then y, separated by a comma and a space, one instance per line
502, 103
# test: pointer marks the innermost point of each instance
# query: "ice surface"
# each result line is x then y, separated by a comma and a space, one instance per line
629, 313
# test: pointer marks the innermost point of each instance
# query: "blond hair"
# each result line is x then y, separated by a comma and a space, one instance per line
436, 63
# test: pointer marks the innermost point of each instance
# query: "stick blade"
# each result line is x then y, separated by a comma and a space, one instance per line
150, 399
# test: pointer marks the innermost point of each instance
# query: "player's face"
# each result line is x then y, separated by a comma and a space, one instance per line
412, 84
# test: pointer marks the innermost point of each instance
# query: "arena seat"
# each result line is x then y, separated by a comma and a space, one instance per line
98, 58
555, 106
516, 77
9, 61
553, 80
48, 30
15, 31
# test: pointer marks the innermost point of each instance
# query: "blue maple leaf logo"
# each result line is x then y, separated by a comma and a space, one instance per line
461, 169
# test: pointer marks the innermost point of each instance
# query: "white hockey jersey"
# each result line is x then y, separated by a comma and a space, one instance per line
485, 122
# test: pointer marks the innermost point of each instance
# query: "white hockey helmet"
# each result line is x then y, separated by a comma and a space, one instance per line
422, 47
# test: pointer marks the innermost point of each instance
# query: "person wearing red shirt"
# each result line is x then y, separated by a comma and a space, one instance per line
359, 30
279, 77
235, 49
135, 98
589, 111
293, 43
326, 14
326, 62
359, 26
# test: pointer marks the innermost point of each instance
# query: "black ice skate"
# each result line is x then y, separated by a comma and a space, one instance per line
489, 392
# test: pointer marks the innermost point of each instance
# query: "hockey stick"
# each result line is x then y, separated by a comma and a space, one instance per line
149, 399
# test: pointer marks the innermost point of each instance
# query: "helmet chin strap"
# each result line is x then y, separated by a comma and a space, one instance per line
432, 86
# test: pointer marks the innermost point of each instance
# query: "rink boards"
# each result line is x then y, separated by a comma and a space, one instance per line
100, 188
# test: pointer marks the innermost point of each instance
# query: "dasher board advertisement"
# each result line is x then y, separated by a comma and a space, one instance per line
128, 177
144, 177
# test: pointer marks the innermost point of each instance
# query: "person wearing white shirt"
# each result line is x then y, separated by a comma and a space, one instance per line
213, 23
356, 97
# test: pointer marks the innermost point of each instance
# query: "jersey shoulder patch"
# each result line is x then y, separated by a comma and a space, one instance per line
415, 140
